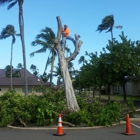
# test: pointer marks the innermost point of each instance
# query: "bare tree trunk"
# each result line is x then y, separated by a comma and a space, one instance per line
70, 96
63, 63
21, 26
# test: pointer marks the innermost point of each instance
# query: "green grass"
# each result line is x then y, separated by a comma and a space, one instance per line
120, 97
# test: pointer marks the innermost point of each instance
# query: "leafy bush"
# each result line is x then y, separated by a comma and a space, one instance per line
96, 113
108, 114
45, 113
12, 108
44, 109
82, 117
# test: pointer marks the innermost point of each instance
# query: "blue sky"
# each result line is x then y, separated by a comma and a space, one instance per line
82, 17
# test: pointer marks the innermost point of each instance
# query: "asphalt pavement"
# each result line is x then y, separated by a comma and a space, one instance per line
72, 133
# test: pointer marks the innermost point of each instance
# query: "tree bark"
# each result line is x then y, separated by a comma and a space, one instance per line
21, 26
63, 63
108, 92
124, 92
52, 65
11, 66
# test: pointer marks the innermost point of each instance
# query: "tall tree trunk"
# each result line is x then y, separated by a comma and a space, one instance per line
52, 66
58, 83
108, 92
70, 96
63, 63
124, 92
21, 26
112, 34
11, 65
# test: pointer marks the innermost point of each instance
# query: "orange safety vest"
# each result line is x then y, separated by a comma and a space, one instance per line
67, 32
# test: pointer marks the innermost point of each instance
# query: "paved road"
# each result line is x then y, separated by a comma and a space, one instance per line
109, 133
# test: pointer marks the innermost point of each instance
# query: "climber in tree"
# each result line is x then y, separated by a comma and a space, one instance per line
66, 35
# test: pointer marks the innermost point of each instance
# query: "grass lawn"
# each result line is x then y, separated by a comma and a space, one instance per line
120, 97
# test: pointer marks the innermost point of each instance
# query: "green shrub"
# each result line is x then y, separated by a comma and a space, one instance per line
44, 109
108, 114
45, 113
82, 117
12, 108
130, 105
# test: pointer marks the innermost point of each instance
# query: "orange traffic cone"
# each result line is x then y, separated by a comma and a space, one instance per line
59, 128
128, 127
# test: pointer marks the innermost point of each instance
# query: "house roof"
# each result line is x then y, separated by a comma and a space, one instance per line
19, 81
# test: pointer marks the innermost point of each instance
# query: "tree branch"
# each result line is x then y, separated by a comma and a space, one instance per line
59, 29
77, 49
21, 121
68, 123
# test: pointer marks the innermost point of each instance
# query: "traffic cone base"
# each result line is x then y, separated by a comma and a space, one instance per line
59, 134
128, 127
129, 133
59, 128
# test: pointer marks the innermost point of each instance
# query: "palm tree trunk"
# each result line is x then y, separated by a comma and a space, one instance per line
21, 26
111, 35
11, 65
52, 66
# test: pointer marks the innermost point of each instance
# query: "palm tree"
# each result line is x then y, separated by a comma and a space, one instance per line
21, 26
81, 60
9, 31
8, 70
35, 70
108, 24
46, 40
57, 73
45, 77
20, 66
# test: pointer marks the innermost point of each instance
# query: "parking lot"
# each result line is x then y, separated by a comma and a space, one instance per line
103, 133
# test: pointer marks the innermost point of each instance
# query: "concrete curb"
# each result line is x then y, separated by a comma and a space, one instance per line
69, 128
52, 128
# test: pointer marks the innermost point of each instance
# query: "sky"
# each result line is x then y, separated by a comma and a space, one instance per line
82, 17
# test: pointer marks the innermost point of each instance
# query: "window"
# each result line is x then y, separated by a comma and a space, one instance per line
29, 90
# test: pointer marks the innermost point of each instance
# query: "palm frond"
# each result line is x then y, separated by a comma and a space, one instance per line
70, 65
47, 63
46, 35
12, 4
118, 27
102, 27
38, 51
108, 19
2, 2
18, 34
4, 36
39, 42
82, 59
